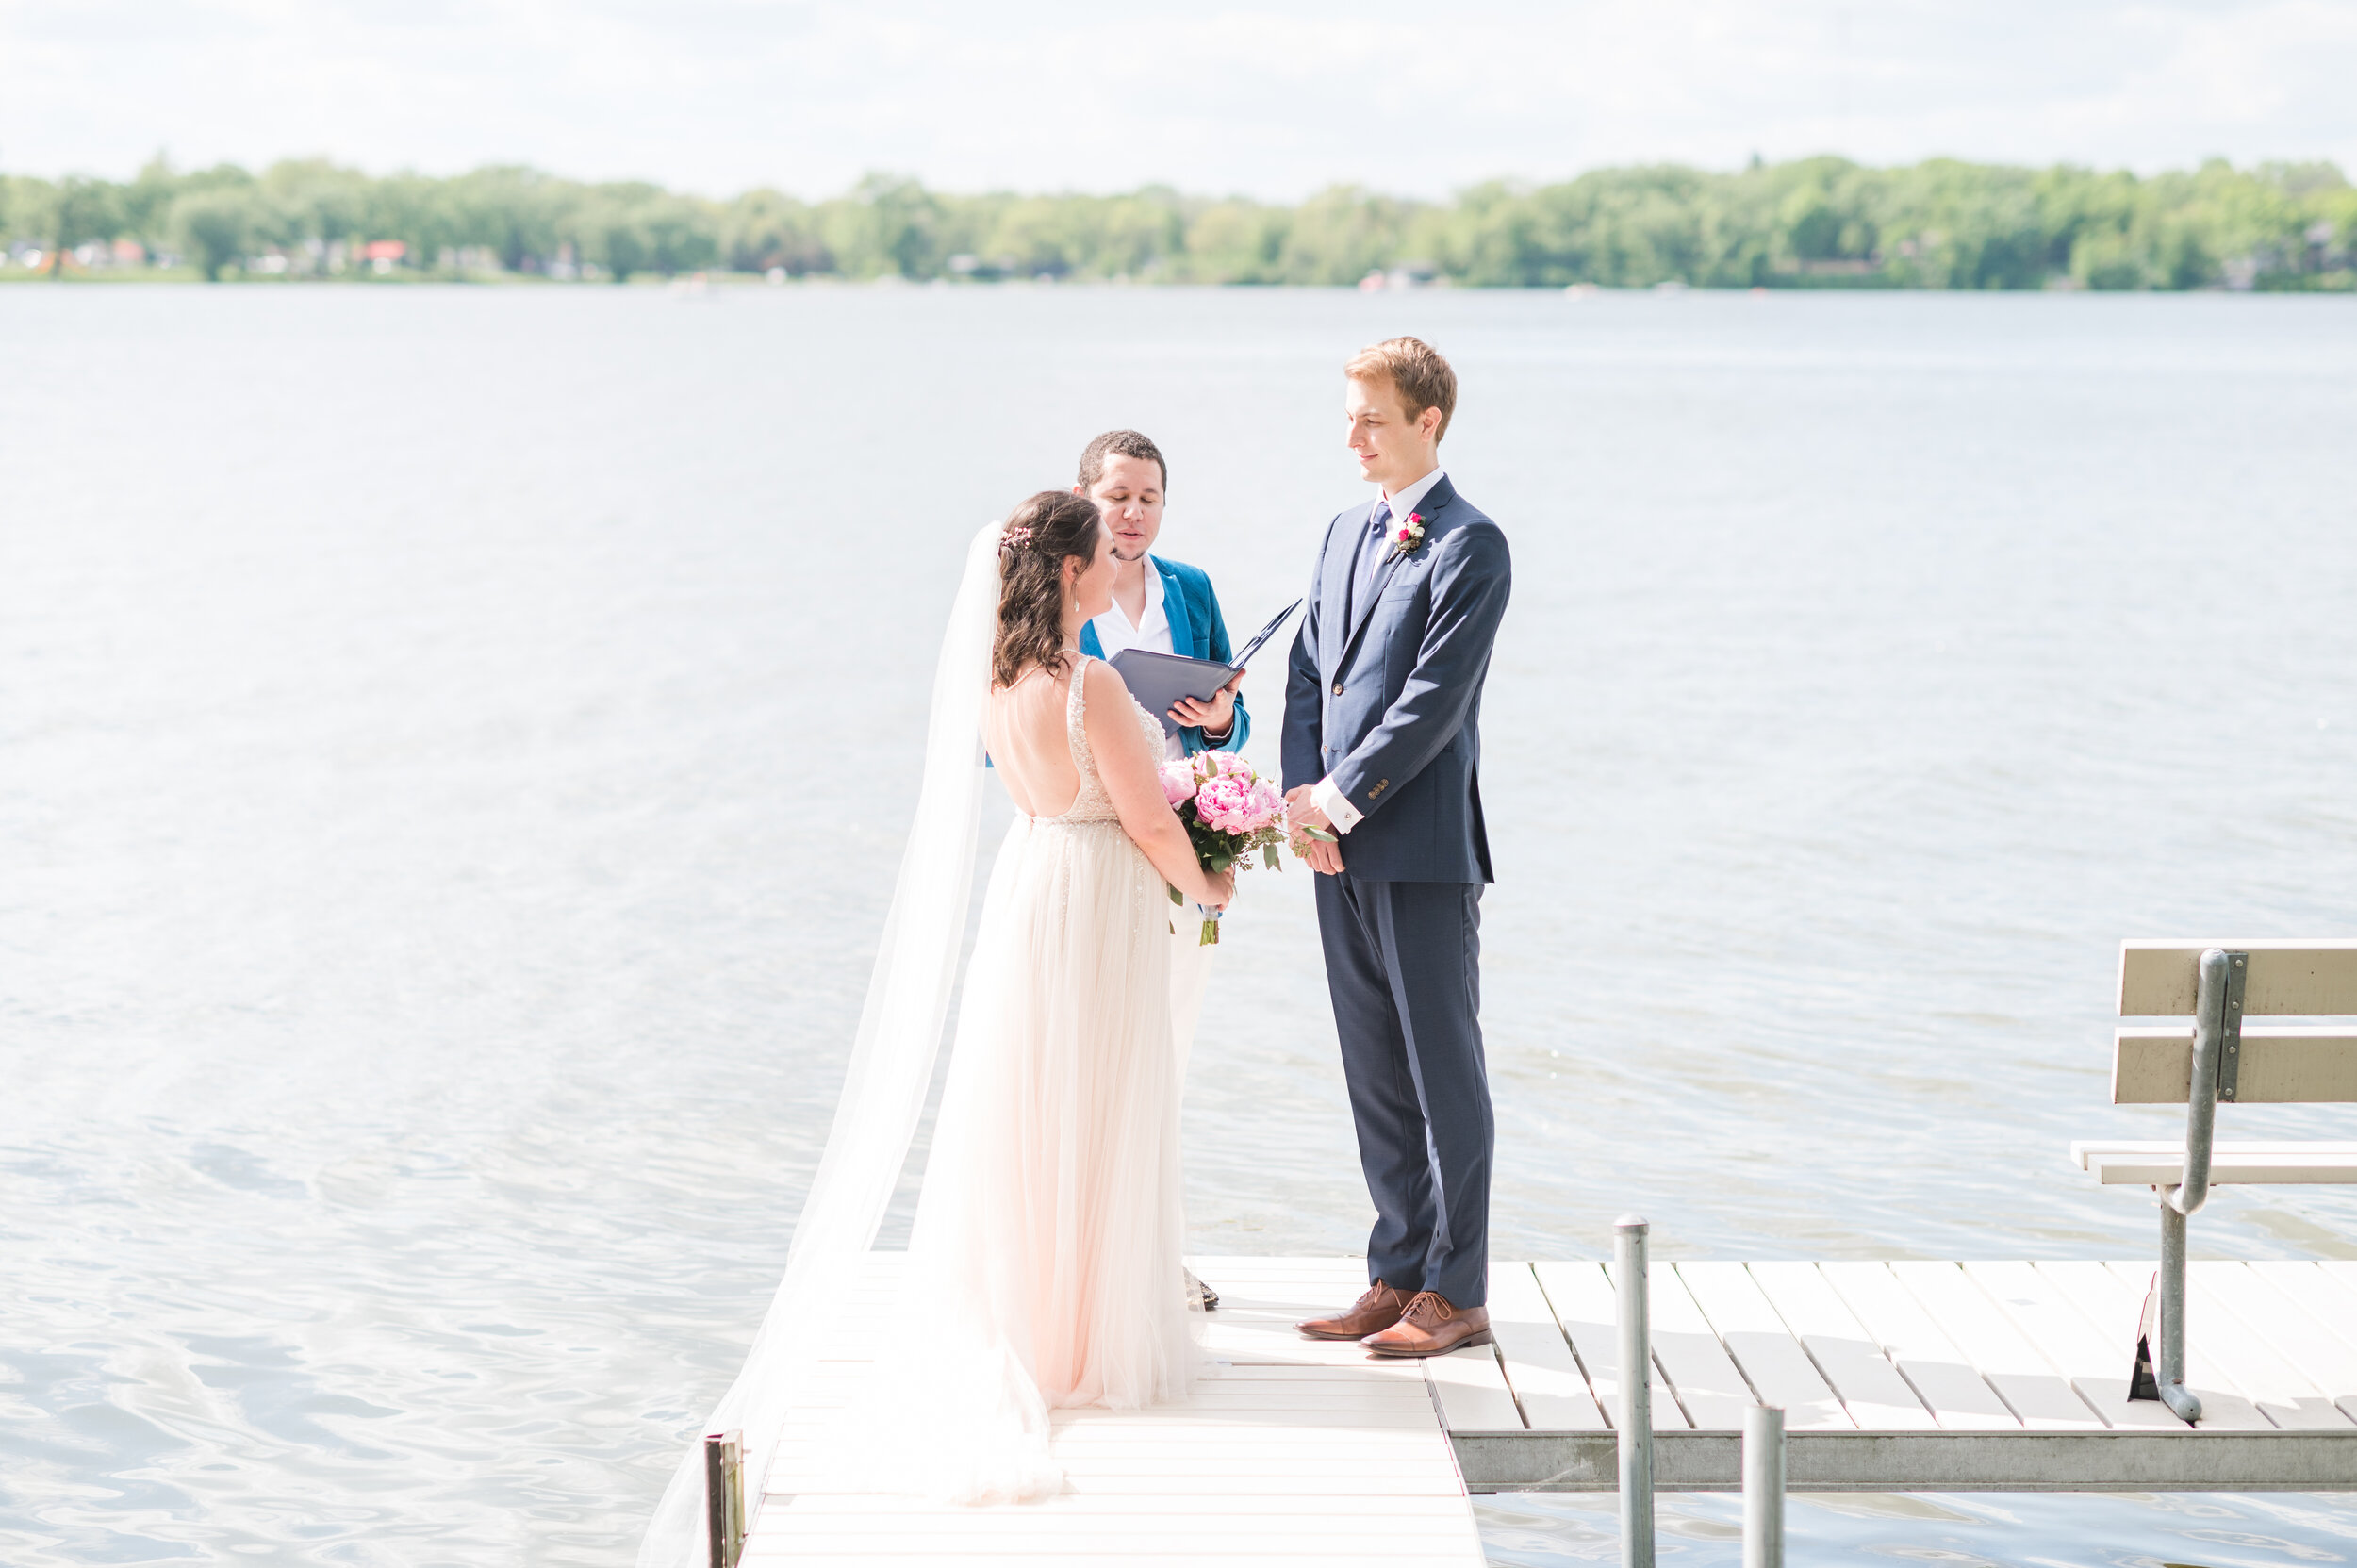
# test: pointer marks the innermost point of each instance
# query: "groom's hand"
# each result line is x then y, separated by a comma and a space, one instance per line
1319, 854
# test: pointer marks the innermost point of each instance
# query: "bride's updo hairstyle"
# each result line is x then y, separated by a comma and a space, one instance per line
1045, 532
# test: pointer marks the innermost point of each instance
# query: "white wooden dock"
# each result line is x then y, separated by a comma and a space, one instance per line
1299, 1452
1894, 1376
1918, 1375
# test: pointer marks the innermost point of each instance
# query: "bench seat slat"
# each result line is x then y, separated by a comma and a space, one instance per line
2316, 977
2280, 1064
2146, 1162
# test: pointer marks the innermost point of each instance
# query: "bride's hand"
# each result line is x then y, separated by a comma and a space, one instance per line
1222, 886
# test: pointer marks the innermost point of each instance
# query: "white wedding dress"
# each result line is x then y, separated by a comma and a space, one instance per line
1044, 1268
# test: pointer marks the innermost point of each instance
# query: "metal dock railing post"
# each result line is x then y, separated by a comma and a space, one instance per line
1636, 1412
1763, 1487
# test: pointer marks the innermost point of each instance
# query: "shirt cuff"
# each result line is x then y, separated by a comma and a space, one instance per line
1336, 805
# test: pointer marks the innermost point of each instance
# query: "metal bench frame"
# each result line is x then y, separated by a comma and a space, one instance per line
2217, 1055
2218, 984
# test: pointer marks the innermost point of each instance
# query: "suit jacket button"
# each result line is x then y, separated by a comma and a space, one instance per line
1338, 689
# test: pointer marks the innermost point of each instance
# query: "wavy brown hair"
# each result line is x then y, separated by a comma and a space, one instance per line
1040, 536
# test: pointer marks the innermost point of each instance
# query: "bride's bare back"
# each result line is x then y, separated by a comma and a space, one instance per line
1027, 729
1024, 728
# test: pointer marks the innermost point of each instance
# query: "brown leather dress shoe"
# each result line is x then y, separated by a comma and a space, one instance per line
1430, 1326
1377, 1310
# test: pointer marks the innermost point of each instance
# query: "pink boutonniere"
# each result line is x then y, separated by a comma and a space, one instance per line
1406, 536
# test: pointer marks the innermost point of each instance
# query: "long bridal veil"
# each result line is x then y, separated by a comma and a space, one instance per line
890, 1070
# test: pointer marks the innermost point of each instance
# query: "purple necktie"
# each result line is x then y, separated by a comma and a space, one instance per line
1374, 547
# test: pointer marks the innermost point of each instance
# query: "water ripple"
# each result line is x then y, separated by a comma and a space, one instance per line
457, 742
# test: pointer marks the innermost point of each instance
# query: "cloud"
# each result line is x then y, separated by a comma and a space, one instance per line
1275, 99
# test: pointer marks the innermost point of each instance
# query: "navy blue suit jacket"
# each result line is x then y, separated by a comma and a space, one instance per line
1197, 630
1385, 696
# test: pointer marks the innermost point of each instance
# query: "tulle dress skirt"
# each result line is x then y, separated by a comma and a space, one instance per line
1044, 1268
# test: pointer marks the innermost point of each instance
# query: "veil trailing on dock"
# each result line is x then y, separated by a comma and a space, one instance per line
890, 1072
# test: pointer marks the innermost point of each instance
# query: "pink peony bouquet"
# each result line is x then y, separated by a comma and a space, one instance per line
1229, 812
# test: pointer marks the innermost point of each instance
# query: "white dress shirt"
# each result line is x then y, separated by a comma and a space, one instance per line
1322, 794
1152, 633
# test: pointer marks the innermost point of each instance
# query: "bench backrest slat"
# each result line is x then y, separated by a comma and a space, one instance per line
2280, 1066
2310, 979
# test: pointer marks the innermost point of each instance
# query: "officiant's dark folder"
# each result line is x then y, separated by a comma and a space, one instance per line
1158, 680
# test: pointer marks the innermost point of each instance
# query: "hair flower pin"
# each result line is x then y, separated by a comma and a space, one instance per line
1408, 537
1014, 538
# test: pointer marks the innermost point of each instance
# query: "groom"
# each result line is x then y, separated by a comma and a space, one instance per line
1382, 751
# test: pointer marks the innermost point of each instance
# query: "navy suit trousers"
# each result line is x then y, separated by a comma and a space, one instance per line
1403, 964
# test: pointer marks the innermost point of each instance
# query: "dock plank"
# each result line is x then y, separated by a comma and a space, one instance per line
1287, 1450
1471, 1390
1940, 1373
1166, 1532
2244, 1346
2030, 1385
1254, 1325
2091, 1361
1588, 1313
2292, 1333
1426, 1512
2115, 1303
805, 1453
1864, 1379
2330, 1354
776, 1541
1539, 1367
1773, 1361
2226, 1405
1132, 1557
1704, 1379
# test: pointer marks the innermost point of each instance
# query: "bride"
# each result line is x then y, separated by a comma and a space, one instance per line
1043, 1266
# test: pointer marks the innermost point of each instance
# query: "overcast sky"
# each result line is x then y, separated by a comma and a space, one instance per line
1273, 98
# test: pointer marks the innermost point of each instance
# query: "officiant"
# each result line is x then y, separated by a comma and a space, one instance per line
1158, 605
1162, 606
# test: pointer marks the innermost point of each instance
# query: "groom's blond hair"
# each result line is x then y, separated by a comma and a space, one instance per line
1416, 369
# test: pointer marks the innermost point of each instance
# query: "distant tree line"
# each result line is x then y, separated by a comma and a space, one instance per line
1820, 223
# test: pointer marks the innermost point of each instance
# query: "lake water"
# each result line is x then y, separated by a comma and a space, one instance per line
454, 745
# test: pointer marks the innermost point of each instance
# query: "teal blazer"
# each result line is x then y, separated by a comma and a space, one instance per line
1195, 630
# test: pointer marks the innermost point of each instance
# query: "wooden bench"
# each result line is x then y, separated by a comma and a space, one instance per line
2216, 1058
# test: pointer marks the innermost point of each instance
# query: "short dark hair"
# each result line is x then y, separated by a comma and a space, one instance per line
1118, 444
